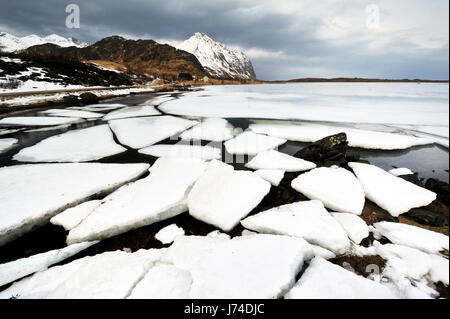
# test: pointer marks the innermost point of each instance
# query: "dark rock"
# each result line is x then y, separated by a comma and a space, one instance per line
363, 266
435, 214
440, 188
413, 178
185, 76
71, 100
89, 98
328, 151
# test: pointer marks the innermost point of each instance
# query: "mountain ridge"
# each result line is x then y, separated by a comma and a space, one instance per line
217, 59
10, 43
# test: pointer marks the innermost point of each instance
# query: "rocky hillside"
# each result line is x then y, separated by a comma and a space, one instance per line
219, 60
20, 69
142, 57
11, 43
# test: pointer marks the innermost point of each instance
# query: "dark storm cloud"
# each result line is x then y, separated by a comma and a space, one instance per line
242, 23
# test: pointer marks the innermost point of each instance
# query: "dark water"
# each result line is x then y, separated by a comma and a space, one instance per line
428, 161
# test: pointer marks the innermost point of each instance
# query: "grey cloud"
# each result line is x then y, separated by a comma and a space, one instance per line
228, 22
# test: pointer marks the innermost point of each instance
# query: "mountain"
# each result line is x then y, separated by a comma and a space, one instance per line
217, 59
146, 58
10, 43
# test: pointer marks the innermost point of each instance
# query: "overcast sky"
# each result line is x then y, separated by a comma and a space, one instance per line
284, 38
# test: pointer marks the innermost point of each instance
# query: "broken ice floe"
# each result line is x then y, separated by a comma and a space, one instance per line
249, 143
193, 267
20, 268
324, 280
71, 217
124, 271
132, 111
181, 150
267, 263
7, 143
412, 236
51, 188
223, 196
355, 226
391, 193
141, 132
38, 120
168, 234
159, 196
72, 113
83, 145
272, 159
210, 129
9, 131
409, 272
163, 281
49, 128
98, 107
401, 171
336, 187
308, 220
273, 176
311, 132
414, 264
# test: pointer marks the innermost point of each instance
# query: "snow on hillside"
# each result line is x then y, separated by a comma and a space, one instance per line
217, 59
11, 43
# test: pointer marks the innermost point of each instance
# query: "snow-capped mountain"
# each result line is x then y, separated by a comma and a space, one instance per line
10, 43
217, 59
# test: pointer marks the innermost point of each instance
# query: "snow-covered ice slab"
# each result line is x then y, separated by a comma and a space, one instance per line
180, 150
48, 128
38, 120
273, 176
272, 159
210, 129
223, 196
71, 217
145, 131
253, 267
83, 145
311, 132
157, 197
132, 111
9, 131
86, 278
168, 234
336, 187
98, 107
40, 284
401, 171
391, 193
20, 268
163, 282
355, 226
249, 143
105, 276
324, 280
7, 143
407, 262
412, 236
72, 113
382, 103
159, 100
32, 194
308, 220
